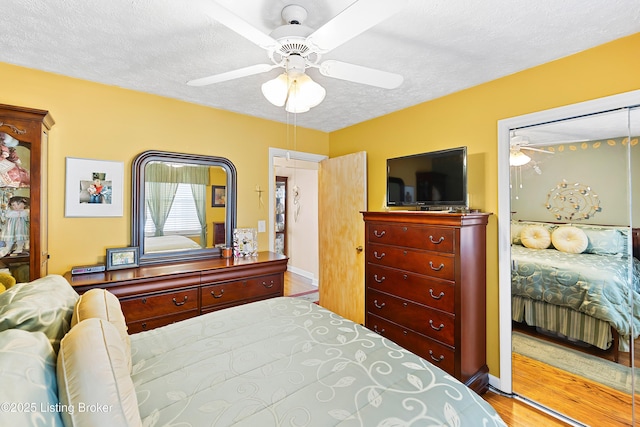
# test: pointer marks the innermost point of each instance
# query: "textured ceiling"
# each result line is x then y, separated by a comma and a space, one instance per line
439, 46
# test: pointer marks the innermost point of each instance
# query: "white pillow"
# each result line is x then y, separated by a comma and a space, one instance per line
535, 237
569, 239
92, 370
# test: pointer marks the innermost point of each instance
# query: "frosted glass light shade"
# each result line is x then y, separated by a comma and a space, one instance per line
276, 90
297, 95
518, 158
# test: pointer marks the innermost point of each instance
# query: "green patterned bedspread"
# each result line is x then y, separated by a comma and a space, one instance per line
598, 285
286, 361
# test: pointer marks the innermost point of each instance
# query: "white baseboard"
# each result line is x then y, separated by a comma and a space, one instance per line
304, 273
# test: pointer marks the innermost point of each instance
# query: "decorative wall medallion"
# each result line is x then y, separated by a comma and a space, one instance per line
572, 201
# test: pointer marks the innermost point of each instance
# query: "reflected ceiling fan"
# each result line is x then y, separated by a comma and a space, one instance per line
296, 47
519, 143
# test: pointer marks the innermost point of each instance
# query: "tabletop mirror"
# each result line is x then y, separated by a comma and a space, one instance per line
183, 206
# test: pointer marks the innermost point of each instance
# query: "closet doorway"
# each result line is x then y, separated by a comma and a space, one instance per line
570, 169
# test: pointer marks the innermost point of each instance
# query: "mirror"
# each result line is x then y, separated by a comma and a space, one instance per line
183, 206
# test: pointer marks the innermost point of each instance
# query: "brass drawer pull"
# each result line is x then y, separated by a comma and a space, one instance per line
213, 294
375, 329
270, 285
436, 268
436, 328
375, 254
375, 302
179, 303
379, 280
375, 233
435, 296
440, 240
436, 359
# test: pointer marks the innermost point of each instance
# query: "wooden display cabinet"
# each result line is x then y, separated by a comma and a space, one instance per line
24, 135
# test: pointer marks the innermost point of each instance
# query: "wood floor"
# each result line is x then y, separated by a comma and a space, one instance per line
296, 284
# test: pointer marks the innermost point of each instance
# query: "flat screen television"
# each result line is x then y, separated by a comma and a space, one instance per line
437, 179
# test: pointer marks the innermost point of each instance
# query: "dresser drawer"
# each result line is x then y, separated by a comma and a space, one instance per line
229, 292
150, 306
433, 323
420, 237
441, 266
147, 325
440, 355
410, 286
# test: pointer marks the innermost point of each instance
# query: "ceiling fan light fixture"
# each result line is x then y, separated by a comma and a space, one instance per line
304, 94
518, 158
297, 95
276, 90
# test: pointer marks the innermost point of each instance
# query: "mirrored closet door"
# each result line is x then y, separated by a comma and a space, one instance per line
575, 279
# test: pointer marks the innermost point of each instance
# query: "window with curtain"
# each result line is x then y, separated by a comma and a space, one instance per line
183, 215
175, 202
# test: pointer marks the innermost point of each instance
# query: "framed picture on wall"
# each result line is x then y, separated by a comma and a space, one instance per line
93, 188
218, 196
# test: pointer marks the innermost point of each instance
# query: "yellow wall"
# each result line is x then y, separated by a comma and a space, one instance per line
102, 122
108, 123
470, 117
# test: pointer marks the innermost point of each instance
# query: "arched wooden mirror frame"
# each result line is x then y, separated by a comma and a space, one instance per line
138, 204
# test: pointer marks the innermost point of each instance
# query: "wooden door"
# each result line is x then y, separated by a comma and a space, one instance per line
342, 195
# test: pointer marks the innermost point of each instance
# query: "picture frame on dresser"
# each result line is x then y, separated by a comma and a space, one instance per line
121, 258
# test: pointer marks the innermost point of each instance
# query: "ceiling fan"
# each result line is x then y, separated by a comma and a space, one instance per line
296, 47
518, 143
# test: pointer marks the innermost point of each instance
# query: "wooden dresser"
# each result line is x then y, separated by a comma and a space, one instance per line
425, 287
156, 295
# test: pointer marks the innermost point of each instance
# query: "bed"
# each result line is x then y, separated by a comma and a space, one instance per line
68, 361
169, 243
578, 285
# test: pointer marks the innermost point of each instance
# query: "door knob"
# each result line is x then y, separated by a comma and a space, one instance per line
359, 249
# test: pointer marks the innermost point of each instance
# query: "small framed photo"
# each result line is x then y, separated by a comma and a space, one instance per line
218, 196
119, 258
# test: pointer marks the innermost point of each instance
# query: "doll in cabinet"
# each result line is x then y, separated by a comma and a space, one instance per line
23, 192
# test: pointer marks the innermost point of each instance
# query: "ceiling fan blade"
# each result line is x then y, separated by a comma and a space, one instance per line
234, 74
536, 149
360, 74
354, 20
242, 27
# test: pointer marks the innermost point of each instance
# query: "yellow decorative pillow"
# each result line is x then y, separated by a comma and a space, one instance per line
569, 239
535, 237
102, 304
92, 369
6, 281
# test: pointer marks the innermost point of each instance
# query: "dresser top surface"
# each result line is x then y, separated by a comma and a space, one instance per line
429, 217
175, 268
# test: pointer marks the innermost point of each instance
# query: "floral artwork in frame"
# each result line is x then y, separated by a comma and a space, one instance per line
93, 188
218, 196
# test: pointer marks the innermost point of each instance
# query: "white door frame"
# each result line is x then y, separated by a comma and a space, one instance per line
504, 383
296, 155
